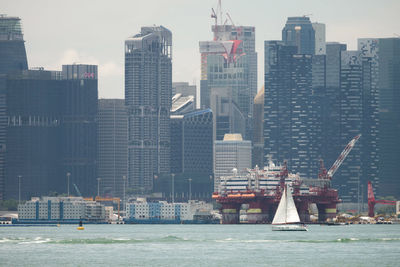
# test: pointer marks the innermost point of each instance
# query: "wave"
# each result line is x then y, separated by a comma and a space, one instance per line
173, 239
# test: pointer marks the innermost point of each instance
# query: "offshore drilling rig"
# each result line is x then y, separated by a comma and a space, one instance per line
261, 190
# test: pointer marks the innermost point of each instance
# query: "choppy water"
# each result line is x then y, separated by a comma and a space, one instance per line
199, 245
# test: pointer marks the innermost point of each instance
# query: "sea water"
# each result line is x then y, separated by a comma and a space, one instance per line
199, 245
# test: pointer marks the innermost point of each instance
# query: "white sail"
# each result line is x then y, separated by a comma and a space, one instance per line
280, 215
291, 212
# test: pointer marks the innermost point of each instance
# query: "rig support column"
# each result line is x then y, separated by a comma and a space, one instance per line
258, 212
230, 213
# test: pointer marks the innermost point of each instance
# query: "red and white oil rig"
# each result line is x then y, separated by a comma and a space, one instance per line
261, 190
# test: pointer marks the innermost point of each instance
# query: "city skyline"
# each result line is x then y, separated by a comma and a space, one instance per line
96, 38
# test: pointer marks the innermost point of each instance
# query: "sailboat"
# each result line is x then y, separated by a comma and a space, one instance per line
286, 217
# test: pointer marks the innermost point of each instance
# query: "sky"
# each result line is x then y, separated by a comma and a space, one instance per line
93, 31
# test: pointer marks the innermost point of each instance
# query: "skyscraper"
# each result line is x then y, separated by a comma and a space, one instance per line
385, 84
229, 78
112, 139
191, 155
33, 134
231, 153
258, 133
289, 114
12, 58
320, 44
299, 32
79, 126
148, 86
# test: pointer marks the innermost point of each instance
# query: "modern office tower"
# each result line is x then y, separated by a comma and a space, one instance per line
227, 83
289, 116
229, 75
258, 123
12, 58
191, 156
320, 43
33, 134
299, 32
233, 154
351, 84
148, 86
12, 47
112, 147
182, 104
185, 89
385, 60
79, 126
246, 34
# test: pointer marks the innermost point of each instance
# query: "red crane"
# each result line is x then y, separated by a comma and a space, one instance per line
372, 201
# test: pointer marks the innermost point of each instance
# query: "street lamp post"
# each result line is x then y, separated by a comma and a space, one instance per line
98, 187
19, 189
68, 175
190, 188
173, 189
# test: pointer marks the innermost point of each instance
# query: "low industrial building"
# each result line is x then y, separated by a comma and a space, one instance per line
60, 210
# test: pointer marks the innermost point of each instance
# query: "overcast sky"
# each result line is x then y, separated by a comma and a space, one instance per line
93, 31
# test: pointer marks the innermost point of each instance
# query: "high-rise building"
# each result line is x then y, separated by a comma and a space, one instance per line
232, 154
12, 58
299, 32
191, 155
33, 134
79, 126
112, 139
229, 78
12, 47
148, 87
289, 114
320, 43
385, 84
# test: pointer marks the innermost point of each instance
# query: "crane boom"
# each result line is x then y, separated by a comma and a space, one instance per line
77, 190
372, 201
342, 156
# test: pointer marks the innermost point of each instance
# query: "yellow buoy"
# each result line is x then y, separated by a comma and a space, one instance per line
80, 228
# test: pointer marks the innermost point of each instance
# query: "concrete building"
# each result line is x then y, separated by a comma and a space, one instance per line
229, 78
233, 154
299, 32
320, 43
148, 86
384, 54
112, 137
163, 211
12, 58
60, 210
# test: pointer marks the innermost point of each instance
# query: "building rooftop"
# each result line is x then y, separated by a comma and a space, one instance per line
233, 137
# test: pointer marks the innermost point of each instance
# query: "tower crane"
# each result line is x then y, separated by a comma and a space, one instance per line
323, 174
372, 201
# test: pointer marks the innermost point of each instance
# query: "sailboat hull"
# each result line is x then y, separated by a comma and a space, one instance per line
289, 227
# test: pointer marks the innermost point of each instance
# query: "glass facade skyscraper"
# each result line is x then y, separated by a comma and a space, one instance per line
112, 138
299, 32
289, 114
148, 87
384, 54
12, 58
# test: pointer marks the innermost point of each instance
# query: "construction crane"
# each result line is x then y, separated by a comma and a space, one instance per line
323, 174
372, 201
